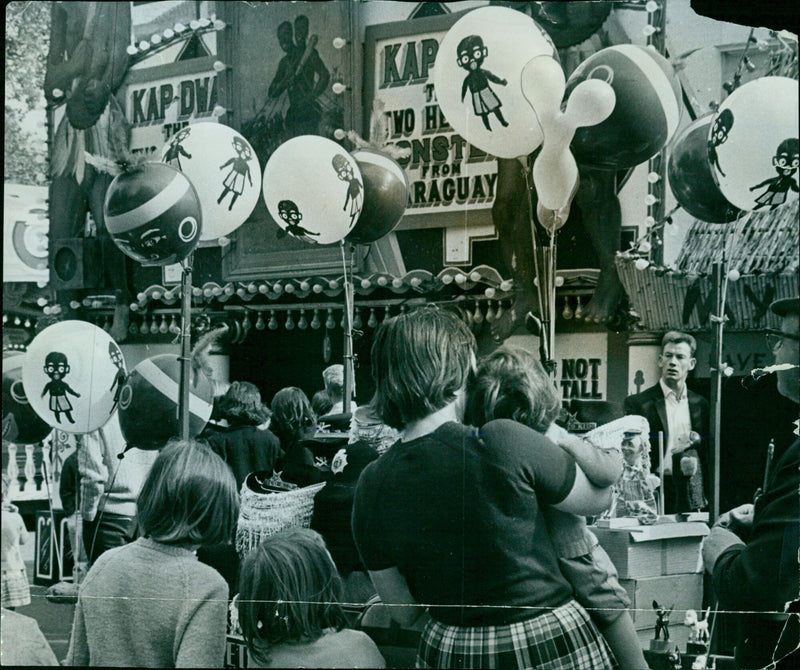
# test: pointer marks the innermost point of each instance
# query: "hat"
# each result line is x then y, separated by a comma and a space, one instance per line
786, 306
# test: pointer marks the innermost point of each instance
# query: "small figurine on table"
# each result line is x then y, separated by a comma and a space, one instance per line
674, 660
698, 631
662, 627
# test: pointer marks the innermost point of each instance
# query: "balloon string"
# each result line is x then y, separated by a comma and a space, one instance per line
532, 220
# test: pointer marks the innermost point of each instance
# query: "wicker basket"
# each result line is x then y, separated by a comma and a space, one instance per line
264, 514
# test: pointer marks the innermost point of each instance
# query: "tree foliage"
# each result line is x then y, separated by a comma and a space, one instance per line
26, 44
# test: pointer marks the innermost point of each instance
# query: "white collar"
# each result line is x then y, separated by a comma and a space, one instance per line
668, 391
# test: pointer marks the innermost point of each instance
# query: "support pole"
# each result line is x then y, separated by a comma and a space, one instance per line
718, 323
186, 353
347, 388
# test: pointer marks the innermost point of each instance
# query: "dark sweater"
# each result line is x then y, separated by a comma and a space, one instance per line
245, 449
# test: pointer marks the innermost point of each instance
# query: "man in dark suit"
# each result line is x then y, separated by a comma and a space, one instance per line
752, 550
683, 416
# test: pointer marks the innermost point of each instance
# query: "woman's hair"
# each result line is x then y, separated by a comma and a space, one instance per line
321, 402
511, 384
189, 496
420, 359
291, 413
289, 591
242, 404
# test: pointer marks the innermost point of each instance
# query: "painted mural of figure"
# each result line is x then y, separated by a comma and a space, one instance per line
119, 378
719, 135
344, 170
176, 149
785, 162
292, 216
302, 75
86, 64
471, 54
56, 367
234, 180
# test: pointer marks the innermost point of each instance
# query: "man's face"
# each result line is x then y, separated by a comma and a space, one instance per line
675, 362
789, 352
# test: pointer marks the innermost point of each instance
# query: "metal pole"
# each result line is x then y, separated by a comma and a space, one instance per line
186, 353
348, 336
718, 323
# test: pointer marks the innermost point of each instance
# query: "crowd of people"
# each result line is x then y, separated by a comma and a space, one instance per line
455, 497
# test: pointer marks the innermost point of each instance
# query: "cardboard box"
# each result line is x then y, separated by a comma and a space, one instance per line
654, 551
681, 591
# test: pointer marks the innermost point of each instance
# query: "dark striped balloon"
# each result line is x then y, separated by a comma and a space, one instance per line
385, 196
149, 403
153, 214
646, 113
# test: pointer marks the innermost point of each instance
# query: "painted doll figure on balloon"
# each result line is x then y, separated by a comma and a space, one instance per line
175, 149
344, 170
56, 366
234, 180
119, 376
292, 217
785, 162
471, 54
719, 134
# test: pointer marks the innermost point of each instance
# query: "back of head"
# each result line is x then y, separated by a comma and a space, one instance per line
420, 360
333, 377
189, 496
291, 413
510, 383
289, 590
242, 404
321, 402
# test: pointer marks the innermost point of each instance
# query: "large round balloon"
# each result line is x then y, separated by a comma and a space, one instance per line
223, 167
73, 375
385, 196
149, 404
753, 144
21, 424
477, 78
646, 113
153, 214
690, 176
313, 189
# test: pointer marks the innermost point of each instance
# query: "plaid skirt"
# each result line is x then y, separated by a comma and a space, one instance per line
561, 639
15, 589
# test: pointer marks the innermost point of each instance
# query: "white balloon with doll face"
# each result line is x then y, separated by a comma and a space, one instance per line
224, 170
313, 189
73, 375
477, 79
753, 144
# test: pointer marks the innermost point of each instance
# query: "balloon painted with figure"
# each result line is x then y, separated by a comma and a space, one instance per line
224, 170
646, 113
385, 196
149, 403
313, 189
21, 424
753, 144
73, 375
477, 78
691, 178
153, 214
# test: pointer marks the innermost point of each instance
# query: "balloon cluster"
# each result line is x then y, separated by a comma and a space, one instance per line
500, 85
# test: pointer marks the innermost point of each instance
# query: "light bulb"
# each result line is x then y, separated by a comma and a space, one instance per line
131, 50
339, 42
168, 33
289, 321
278, 288
289, 288
474, 276
649, 30
490, 315
734, 275
260, 323
143, 329
460, 279
339, 134
477, 315
357, 322
317, 288
650, 200
365, 283
505, 285
273, 322
387, 312
651, 7
330, 324
194, 24
382, 281
246, 325
155, 39
397, 282
144, 45
372, 321
163, 328
219, 66
653, 177
315, 322
153, 326
263, 288
304, 285
338, 87
333, 285
173, 325
559, 280
302, 322
567, 312
219, 24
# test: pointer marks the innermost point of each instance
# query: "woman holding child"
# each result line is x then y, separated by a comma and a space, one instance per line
450, 518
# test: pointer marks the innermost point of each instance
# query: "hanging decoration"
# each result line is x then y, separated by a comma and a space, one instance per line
646, 113
691, 178
313, 189
224, 170
73, 375
753, 144
477, 78
148, 404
